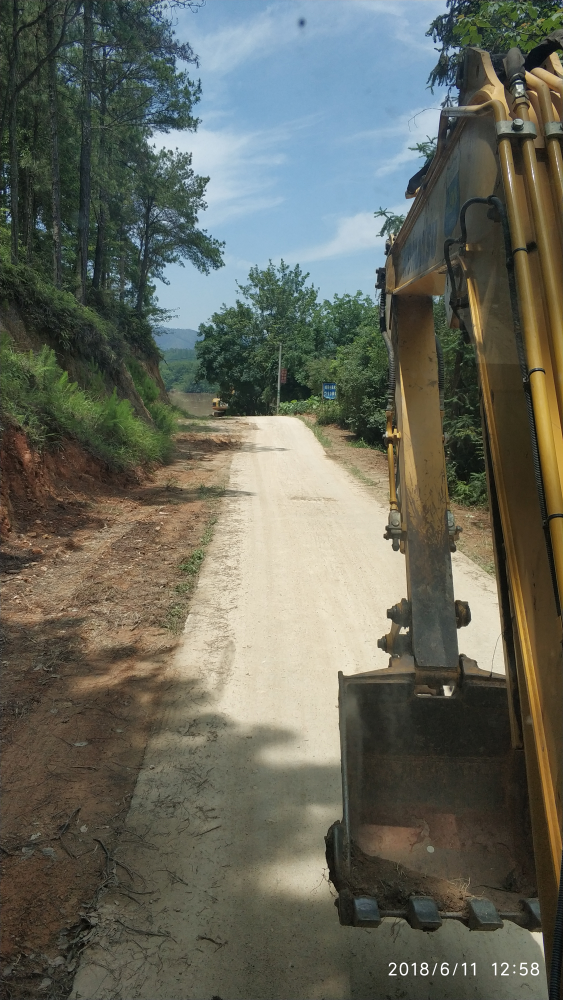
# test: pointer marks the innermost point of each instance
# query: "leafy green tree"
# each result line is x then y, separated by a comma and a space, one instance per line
228, 357
168, 196
361, 373
83, 86
492, 26
240, 347
392, 222
338, 322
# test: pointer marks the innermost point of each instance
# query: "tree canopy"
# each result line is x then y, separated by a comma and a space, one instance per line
493, 26
86, 197
240, 346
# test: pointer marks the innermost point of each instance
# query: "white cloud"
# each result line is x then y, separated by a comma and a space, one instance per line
413, 128
241, 166
354, 233
277, 25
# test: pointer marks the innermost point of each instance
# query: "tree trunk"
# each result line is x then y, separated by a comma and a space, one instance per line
121, 264
13, 134
55, 169
85, 153
145, 258
30, 198
99, 257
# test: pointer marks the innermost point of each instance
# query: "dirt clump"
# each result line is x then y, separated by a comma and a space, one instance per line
392, 884
97, 572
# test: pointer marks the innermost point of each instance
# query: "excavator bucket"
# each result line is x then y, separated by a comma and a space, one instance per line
435, 817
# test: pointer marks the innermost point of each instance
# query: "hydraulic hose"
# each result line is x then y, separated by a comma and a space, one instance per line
390, 404
441, 372
509, 257
554, 153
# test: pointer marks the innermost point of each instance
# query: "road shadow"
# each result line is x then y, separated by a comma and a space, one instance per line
222, 856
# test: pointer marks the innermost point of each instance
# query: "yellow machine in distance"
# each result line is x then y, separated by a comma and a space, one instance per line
219, 407
449, 771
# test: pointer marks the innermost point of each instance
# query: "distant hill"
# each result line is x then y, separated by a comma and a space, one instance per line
168, 337
179, 354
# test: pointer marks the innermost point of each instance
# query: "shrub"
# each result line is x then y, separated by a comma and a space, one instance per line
361, 377
38, 396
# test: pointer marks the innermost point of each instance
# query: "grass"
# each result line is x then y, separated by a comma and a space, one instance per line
190, 566
361, 475
360, 443
319, 434
38, 396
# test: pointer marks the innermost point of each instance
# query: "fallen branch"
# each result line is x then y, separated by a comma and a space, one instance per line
138, 930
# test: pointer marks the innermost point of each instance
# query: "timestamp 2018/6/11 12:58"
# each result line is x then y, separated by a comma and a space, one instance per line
511, 969
460, 968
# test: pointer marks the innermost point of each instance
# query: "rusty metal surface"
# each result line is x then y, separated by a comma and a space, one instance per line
435, 792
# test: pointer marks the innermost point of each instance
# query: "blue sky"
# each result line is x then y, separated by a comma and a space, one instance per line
304, 133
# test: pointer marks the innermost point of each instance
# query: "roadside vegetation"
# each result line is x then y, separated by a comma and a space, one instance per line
91, 214
179, 371
337, 341
38, 397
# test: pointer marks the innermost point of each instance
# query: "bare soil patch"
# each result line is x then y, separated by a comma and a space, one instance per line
370, 466
97, 572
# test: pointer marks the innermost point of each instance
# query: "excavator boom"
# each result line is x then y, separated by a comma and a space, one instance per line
452, 775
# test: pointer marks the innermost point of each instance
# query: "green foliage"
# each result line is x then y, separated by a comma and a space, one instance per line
427, 149
179, 354
325, 411
166, 198
337, 323
38, 396
496, 27
46, 309
162, 414
239, 350
361, 377
94, 89
192, 564
184, 376
296, 407
392, 223
144, 384
462, 416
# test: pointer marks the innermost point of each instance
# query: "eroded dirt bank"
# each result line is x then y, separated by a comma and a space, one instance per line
97, 572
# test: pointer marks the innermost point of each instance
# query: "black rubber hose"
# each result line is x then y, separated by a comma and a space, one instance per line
554, 992
390, 405
441, 371
497, 203
542, 51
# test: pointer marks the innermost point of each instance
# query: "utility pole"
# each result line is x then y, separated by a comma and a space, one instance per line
279, 381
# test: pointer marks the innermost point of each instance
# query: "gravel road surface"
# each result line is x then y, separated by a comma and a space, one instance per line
224, 894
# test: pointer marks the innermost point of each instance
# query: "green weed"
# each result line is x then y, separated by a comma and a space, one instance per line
38, 396
320, 436
190, 566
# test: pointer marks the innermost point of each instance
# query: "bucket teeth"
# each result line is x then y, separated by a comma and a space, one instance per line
483, 916
422, 913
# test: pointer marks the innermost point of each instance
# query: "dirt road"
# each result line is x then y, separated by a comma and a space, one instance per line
222, 883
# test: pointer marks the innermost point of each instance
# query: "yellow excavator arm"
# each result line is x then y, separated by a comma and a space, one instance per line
435, 750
